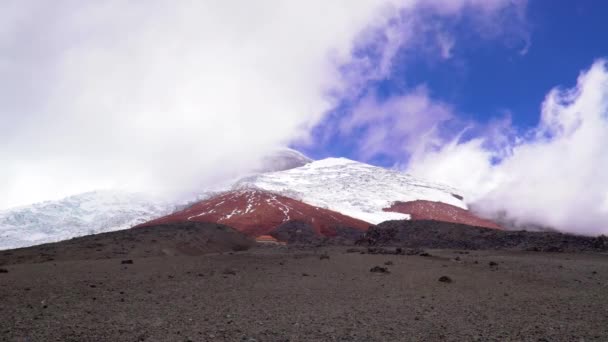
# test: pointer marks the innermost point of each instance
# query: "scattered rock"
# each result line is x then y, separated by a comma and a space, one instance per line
324, 257
388, 263
397, 251
3, 270
492, 263
379, 269
127, 262
305, 275
445, 279
424, 254
413, 251
379, 250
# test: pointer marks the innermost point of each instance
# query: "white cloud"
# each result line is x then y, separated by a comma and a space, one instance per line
398, 125
164, 95
556, 175
160, 94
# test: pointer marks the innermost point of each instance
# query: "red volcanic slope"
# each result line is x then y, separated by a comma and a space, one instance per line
256, 213
428, 210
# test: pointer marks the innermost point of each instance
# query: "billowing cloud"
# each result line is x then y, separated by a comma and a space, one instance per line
554, 175
398, 125
409, 119
161, 94
164, 95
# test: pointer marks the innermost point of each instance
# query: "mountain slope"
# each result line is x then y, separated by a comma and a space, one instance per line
105, 211
190, 238
256, 213
354, 189
84, 214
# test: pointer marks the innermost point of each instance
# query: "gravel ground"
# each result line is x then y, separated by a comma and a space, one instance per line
309, 294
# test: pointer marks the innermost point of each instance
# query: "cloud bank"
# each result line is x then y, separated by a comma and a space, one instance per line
554, 175
161, 95
172, 96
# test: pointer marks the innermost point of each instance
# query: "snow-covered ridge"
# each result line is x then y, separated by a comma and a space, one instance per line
352, 188
83, 214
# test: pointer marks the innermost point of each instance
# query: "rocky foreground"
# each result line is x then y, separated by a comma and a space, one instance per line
203, 284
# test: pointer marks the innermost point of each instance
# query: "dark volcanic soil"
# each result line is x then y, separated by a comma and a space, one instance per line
306, 294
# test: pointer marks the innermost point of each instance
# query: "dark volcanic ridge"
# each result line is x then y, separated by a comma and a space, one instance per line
177, 239
199, 238
444, 235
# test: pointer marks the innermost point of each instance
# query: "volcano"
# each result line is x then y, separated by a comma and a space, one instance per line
323, 197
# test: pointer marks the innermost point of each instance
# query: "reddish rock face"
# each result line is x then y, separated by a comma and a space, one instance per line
256, 213
428, 210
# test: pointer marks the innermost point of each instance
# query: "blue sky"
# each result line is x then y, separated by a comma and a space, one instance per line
485, 78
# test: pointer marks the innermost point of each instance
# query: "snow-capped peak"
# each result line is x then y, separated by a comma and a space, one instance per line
352, 188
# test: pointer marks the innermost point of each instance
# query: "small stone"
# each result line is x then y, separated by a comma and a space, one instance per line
492, 264
127, 262
445, 279
3, 270
388, 263
324, 257
379, 269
